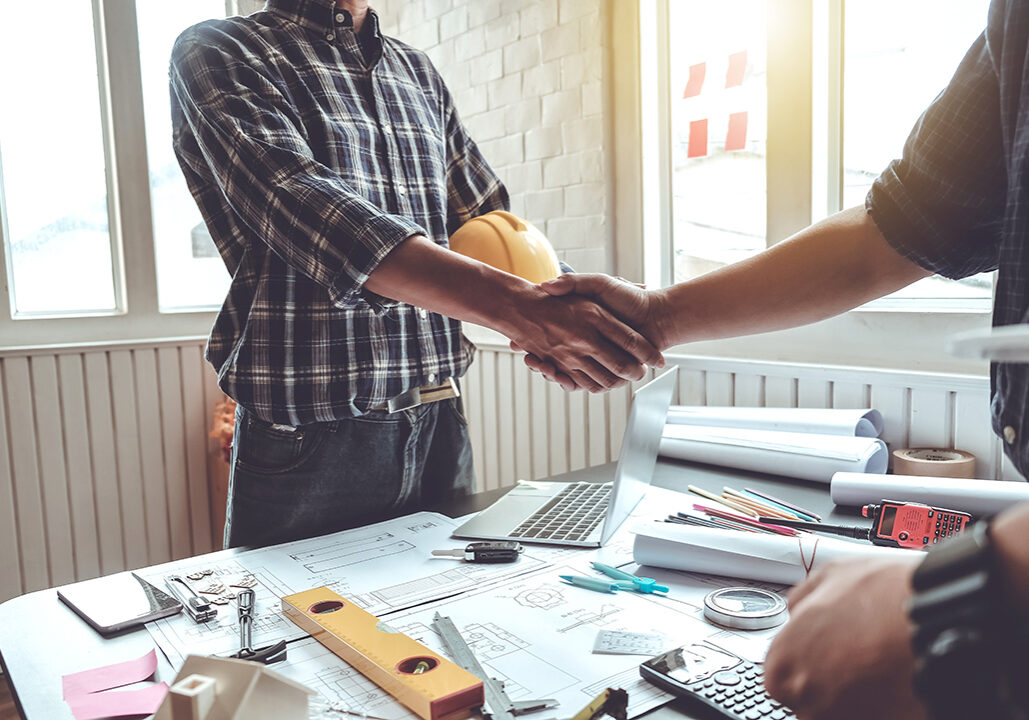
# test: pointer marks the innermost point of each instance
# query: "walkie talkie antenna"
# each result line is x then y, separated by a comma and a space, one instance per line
846, 530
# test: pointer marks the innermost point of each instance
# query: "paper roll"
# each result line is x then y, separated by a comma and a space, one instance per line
933, 462
979, 497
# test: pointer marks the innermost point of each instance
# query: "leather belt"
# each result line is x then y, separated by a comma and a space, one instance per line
421, 396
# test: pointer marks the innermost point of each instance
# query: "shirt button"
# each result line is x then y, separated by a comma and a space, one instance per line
432, 378
402, 190
330, 37
340, 17
1010, 435
424, 313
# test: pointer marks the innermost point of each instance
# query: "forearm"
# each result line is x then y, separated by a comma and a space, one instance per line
828, 268
421, 273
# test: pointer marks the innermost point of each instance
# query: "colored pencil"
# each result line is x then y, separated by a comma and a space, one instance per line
761, 507
722, 501
785, 504
732, 517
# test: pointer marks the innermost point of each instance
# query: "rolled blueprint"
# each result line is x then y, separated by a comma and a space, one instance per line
749, 556
978, 497
832, 421
800, 455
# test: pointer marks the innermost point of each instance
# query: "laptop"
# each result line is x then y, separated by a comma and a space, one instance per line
584, 514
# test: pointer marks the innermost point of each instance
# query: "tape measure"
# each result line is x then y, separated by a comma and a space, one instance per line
424, 681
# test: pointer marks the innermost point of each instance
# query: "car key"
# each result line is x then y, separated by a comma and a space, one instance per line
498, 551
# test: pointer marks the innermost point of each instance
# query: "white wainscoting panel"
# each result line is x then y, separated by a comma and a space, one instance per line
103, 460
106, 463
547, 431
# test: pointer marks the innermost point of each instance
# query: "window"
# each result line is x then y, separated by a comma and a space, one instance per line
99, 236
718, 74
862, 57
190, 273
56, 224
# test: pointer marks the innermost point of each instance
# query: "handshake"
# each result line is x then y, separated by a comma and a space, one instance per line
590, 331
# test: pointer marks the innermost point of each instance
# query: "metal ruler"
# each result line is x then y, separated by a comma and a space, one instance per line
498, 705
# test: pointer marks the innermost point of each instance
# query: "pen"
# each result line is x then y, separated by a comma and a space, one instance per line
591, 583
788, 506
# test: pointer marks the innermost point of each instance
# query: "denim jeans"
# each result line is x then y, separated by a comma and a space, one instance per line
292, 483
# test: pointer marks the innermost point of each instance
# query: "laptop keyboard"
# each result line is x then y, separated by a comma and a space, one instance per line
572, 514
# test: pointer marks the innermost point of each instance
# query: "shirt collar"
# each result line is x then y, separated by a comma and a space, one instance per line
317, 15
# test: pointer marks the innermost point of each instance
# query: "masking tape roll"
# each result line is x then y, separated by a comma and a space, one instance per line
934, 462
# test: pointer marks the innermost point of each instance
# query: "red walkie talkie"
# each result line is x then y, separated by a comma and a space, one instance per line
894, 524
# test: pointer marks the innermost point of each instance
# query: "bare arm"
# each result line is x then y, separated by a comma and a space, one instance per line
828, 268
580, 337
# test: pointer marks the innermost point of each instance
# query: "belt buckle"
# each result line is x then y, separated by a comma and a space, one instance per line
414, 397
405, 401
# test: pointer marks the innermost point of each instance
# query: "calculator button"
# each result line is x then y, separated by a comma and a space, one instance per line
753, 714
778, 714
764, 708
725, 677
710, 692
930, 513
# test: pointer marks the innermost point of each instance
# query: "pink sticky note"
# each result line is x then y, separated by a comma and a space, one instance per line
737, 64
118, 703
698, 139
696, 81
109, 676
736, 138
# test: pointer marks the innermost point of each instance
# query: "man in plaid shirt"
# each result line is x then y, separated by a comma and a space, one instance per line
330, 166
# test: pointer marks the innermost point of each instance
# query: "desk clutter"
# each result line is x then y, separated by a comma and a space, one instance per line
536, 637
404, 625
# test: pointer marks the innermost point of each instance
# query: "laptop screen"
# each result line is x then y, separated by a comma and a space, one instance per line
638, 457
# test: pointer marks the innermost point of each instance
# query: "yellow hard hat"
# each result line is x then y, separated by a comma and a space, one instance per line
508, 243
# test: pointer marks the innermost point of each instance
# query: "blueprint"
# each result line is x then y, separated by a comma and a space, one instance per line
382, 568
526, 626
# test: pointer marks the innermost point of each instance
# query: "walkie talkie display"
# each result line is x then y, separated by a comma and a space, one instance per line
894, 524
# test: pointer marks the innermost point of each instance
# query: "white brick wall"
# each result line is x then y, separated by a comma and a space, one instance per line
528, 79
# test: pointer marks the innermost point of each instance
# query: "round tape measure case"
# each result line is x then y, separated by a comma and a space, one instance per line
745, 608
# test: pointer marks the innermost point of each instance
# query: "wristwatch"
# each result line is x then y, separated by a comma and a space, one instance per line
968, 642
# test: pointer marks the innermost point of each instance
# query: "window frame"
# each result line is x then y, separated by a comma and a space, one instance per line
137, 315
803, 168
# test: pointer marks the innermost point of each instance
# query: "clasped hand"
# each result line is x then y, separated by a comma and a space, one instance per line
613, 328
582, 344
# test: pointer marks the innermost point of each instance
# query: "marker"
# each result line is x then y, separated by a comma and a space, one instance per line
591, 583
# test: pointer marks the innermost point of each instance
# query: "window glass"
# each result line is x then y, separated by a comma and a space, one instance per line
54, 200
898, 56
190, 273
718, 107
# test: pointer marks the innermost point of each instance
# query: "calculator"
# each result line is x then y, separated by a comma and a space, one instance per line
706, 676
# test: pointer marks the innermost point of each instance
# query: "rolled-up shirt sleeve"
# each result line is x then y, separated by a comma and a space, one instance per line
241, 124
942, 203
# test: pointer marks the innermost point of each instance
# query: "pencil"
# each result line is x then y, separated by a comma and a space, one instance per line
747, 522
781, 508
761, 507
722, 501
787, 505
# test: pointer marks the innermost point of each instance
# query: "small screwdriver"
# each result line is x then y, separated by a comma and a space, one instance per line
497, 551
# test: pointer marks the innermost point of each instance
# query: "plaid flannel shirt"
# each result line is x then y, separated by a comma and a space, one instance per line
957, 201
309, 165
